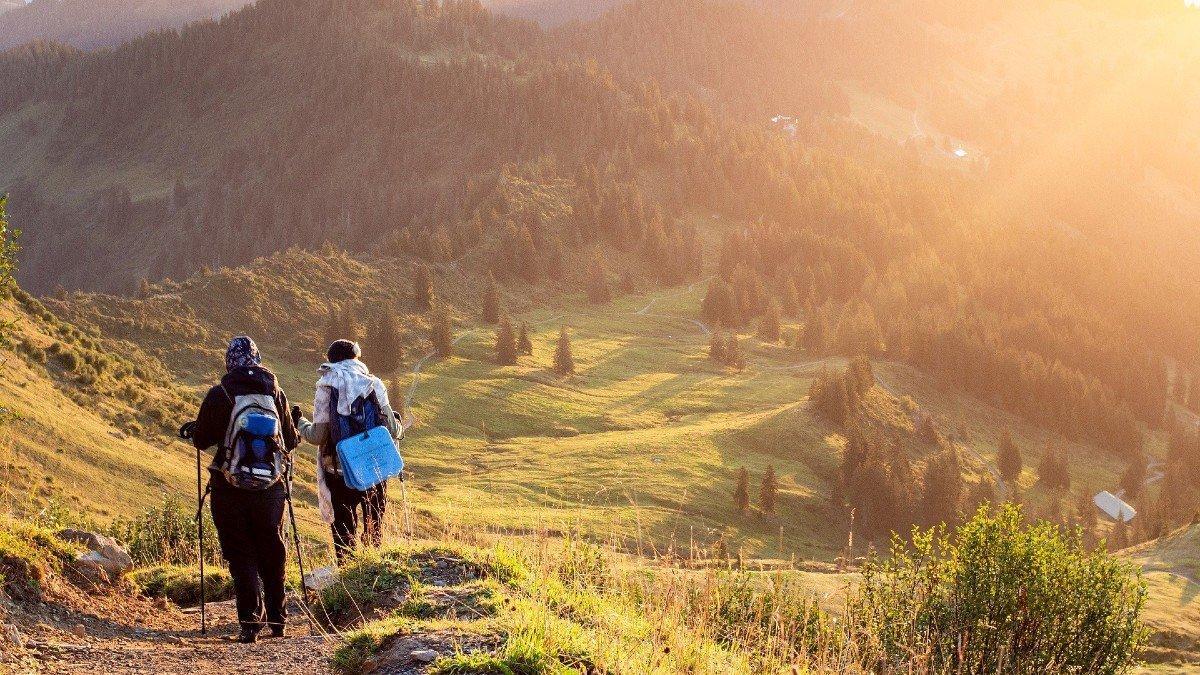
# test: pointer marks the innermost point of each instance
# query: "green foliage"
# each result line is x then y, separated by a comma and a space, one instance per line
8, 246
506, 343
441, 336
998, 595
166, 534
564, 363
181, 584
1008, 457
29, 554
769, 491
741, 490
370, 574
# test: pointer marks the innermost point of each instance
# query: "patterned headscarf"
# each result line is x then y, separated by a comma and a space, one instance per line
242, 353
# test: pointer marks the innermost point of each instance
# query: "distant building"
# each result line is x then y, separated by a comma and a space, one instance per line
1114, 506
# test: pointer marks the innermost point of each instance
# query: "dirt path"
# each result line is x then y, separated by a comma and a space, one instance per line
168, 642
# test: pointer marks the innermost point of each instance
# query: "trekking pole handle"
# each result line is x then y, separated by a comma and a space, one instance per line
188, 431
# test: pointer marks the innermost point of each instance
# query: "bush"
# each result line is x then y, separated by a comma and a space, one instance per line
998, 596
166, 534
28, 555
181, 584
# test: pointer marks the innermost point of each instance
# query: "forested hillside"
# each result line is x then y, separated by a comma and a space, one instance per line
89, 24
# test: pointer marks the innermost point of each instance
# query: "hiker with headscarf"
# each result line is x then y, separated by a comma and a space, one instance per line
347, 390
247, 483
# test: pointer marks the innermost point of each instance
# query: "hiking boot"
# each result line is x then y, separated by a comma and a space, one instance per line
248, 636
277, 631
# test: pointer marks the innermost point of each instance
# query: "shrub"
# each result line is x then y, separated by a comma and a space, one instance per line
998, 596
166, 534
28, 555
181, 584
372, 573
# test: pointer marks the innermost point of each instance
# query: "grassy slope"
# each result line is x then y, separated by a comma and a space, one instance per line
1171, 566
82, 446
639, 446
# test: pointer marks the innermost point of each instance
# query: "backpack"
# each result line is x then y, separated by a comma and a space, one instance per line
254, 453
366, 452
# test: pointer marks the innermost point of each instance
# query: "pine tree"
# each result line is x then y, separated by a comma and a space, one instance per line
524, 344
769, 490
717, 307
816, 333
741, 491
441, 335
1134, 477
1008, 458
598, 291
384, 346
1120, 536
790, 300
769, 329
982, 492
491, 309
943, 488
422, 283
716, 347
564, 364
733, 353
1053, 471
506, 343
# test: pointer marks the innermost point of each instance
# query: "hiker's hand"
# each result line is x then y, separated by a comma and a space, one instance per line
187, 431
296, 415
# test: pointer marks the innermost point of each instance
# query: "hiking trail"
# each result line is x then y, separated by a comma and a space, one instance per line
133, 636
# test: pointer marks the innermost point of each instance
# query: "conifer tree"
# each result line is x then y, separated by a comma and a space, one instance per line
422, 283
769, 329
441, 335
1008, 458
1134, 477
717, 307
741, 491
769, 491
790, 299
943, 488
491, 309
733, 353
384, 345
1120, 537
598, 291
815, 339
1086, 511
564, 363
524, 344
506, 343
716, 347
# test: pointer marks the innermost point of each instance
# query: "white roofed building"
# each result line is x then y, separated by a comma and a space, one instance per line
1114, 506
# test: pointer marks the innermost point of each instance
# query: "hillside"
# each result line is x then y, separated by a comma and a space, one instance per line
639, 447
86, 420
89, 25
1171, 566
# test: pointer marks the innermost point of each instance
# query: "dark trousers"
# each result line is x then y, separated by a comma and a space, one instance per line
352, 507
250, 529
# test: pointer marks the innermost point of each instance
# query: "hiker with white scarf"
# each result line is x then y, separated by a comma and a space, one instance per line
344, 380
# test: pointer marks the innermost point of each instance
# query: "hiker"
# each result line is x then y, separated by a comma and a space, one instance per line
247, 481
347, 396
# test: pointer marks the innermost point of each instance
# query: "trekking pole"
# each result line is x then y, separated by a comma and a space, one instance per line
185, 432
295, 533
404, 507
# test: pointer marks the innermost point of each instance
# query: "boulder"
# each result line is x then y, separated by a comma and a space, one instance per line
423, 655
105, 560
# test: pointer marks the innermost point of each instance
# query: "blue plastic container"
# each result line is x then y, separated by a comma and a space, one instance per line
369, 458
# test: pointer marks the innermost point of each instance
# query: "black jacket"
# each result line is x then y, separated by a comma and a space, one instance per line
213, 419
